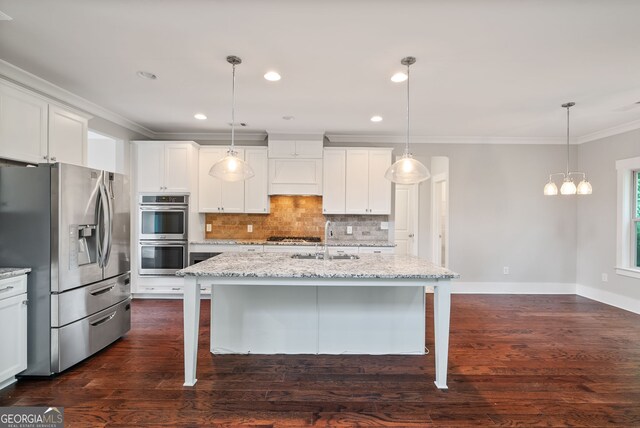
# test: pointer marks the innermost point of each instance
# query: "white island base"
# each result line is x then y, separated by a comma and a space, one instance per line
312, 319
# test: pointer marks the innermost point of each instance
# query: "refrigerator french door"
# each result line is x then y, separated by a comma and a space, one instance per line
71, 225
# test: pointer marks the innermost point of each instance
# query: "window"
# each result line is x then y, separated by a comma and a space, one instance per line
636, 216
628, 228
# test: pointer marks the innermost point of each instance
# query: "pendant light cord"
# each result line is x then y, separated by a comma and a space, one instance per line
233, 109
568, 107
406, 148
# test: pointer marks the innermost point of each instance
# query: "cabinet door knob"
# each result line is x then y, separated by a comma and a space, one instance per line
24, 302
411, 235
53, 159
45, 157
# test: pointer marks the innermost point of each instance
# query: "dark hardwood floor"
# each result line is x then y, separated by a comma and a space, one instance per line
514, 361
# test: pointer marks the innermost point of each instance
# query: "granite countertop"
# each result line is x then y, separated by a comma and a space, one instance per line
281, 265
265, 242
11, 272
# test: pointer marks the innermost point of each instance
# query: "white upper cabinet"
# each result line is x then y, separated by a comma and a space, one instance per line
23, 125
256, 197
67, 136
366, 189
34, 130
333, 181
295, 149
165, 166
215, 195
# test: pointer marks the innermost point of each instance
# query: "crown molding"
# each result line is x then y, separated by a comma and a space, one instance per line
608, 132
211, 136
47, 89
400, 139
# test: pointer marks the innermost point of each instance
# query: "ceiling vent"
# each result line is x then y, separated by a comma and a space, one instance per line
5, 17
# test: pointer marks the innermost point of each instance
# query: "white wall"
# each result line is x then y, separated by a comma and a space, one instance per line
596, 222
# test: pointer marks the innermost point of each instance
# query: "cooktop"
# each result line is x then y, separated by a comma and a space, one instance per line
293, 239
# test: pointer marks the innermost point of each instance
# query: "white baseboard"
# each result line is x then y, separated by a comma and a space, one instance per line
609, 298
462, 287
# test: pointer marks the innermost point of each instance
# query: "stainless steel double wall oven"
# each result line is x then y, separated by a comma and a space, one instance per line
163, 234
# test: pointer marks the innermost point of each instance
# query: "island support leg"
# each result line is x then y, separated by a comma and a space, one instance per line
441, 314
191, 307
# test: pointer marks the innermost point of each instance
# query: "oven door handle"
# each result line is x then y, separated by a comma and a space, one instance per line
163, 208
164, 243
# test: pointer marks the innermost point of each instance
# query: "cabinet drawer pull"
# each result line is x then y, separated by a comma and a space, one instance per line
251, 249
105, 319
176, 288
102, 290
10, 287
377, 251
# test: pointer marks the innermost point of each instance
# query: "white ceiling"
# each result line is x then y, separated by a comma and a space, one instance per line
490, 68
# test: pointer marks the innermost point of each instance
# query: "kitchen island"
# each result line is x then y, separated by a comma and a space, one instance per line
271, 303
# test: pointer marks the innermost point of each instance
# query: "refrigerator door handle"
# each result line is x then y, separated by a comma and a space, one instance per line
109, 196
103, 226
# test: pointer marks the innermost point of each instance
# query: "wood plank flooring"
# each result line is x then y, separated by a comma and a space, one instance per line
514, 361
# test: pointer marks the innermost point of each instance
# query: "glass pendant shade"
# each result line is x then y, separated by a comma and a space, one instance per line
550, 189
568, 187
407, 170
584, 188
231, 168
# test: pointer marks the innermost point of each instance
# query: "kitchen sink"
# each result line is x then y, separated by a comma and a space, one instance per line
320, 256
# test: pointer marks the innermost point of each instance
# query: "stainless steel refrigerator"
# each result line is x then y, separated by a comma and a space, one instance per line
70, 225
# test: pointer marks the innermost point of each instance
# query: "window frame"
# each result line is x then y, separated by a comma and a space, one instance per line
627, 220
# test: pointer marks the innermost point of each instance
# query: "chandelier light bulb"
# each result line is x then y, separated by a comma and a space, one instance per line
232, 164
550, 189
568, 187
584, 188
406, 165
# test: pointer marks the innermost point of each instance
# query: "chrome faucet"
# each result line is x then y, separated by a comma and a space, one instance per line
326, 240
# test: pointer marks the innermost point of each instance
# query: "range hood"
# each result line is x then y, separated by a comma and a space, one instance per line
295, 166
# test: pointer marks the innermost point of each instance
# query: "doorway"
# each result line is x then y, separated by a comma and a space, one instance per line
406, 219
440, 211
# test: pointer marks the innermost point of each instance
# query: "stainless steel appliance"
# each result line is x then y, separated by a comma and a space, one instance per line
200, 257
163, 231
70, 225
164, 217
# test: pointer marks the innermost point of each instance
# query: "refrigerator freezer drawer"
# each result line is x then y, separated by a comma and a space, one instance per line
78, 303
75, 342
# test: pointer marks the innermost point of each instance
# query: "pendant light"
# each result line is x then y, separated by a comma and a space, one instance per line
231, 167
568, 186
407, 170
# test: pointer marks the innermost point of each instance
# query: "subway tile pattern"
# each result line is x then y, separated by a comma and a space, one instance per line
295, 216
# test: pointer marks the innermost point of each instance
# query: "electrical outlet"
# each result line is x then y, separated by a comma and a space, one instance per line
384, 225
349, 230
505, 270
209, 227
249, 228
605, 277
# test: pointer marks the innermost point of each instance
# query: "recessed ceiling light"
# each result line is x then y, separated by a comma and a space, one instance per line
288, 117
200, 116
272, 76
146, 75
399, 77
376, 118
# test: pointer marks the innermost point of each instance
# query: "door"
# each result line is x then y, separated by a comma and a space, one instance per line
67, 136
441, 222
80, 230
256, 198
333, 185
119, 258
23, 126
406, 219
379, 186
177, 168
13, 335
357, 181
150, 167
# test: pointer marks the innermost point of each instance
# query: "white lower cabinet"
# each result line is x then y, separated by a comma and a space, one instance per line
13, 328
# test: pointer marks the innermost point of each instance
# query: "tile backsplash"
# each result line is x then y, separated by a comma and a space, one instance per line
295, 216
